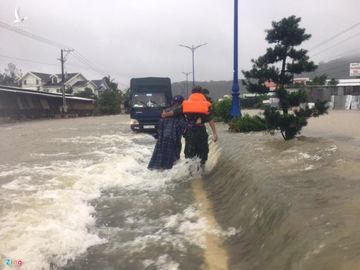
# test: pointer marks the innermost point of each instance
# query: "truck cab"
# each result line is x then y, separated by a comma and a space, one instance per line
148, 98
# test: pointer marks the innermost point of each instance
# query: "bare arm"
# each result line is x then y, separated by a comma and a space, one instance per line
213, 129
167, 114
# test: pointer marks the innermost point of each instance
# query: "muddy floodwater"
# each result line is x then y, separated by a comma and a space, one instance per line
76, 194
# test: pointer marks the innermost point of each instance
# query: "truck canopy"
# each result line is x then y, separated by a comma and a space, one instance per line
153, 83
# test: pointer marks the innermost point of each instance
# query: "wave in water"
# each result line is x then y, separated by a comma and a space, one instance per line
292, 202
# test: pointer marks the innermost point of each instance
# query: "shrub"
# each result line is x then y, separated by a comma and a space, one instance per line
247, 123
222, 109
109, 103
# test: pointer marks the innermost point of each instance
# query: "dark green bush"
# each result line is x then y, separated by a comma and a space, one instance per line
222, 109
109, 103
247, 123
290, 124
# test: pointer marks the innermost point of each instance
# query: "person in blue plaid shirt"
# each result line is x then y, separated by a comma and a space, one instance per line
168, 146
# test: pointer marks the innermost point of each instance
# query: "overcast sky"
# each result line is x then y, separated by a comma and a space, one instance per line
138, 38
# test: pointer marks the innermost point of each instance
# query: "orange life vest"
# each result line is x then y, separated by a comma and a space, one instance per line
196, 103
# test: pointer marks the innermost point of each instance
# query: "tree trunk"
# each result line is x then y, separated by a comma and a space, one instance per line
282, 79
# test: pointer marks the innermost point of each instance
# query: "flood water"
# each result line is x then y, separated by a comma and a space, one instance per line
76, 194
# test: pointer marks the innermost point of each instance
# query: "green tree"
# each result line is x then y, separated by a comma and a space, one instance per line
279, 64
222, 109
333, 82
87, 93
69, 90
126, 100
11, 75
319, 80
110, 101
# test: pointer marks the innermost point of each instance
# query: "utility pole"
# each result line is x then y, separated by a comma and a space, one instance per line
192, 49
63, 60
187, 82
235, 104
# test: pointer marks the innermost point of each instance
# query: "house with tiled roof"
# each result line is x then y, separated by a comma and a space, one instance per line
101, 86
82, 85
52, 83
34, 80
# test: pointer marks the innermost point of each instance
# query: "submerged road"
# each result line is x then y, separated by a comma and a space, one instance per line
76, 194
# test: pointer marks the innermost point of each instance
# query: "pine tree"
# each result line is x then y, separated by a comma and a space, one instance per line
279, 64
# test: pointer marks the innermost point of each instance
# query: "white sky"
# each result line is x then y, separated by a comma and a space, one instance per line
138, 38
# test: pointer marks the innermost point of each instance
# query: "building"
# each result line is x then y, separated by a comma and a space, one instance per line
80, 86
101, 86
348, 87
270, 85
52, 83
19, 103
344, 95
301, 81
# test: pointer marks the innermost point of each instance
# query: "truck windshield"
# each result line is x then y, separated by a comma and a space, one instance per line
149, 100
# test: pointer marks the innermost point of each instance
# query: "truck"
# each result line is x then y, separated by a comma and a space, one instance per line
148, 98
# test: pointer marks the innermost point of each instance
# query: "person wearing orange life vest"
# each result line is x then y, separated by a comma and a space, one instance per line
197, 112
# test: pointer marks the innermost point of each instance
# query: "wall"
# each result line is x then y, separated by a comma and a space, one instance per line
28, 104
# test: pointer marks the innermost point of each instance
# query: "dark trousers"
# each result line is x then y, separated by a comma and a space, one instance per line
196, 143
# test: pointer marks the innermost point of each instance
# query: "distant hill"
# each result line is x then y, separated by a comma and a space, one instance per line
338, 68
217, 88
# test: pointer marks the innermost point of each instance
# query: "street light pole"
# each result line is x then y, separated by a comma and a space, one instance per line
187, 82
192, 49
235, 105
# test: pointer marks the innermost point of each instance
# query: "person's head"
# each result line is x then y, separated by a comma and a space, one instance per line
178, 99
197, 89
205, 91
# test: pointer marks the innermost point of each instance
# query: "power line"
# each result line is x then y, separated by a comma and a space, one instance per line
333, 37
45, 41
27, 60
37, 62
32, 36
336, 44
49, 42
86, 62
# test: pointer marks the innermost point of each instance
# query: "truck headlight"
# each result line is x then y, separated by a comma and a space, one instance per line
134, 122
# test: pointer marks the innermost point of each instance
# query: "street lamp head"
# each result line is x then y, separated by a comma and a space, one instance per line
199, 46
185, 46
192, 49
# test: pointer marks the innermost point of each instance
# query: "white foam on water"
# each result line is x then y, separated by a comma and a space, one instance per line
66, 154
177, 230
49, 218
164, 262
